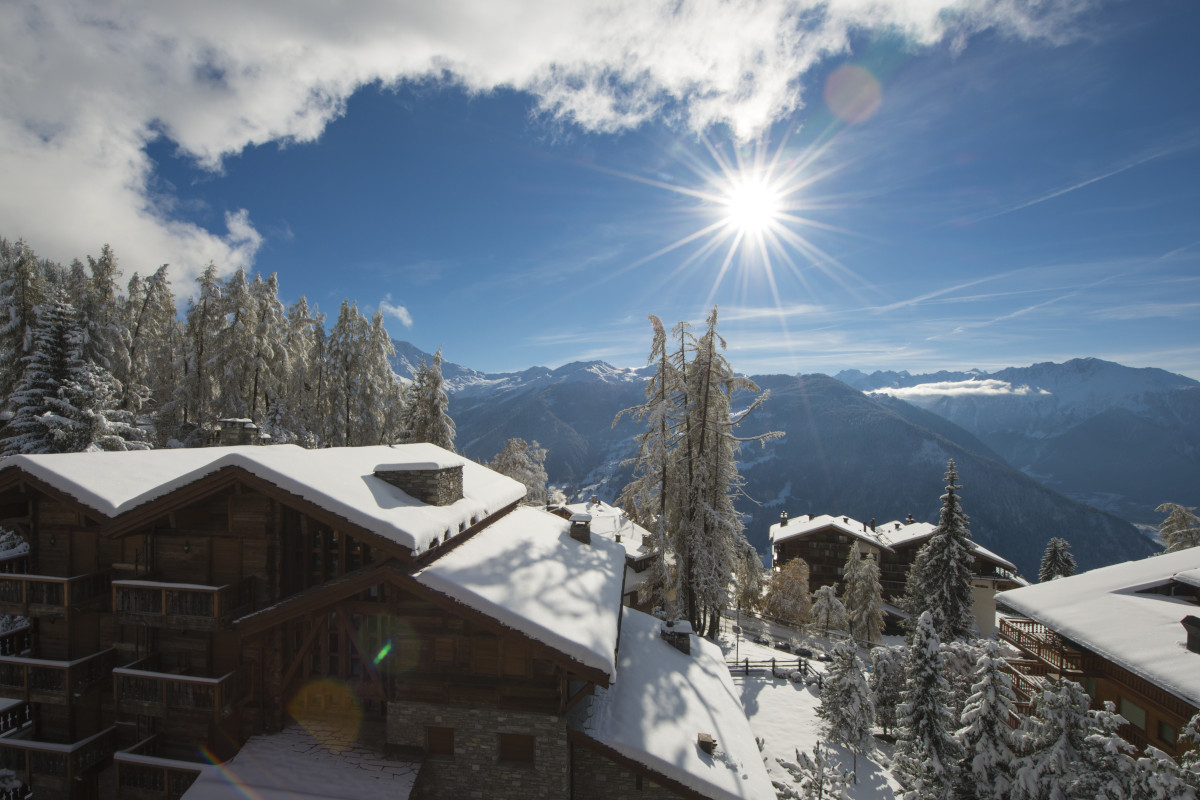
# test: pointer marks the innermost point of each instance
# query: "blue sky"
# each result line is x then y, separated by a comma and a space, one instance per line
522, 186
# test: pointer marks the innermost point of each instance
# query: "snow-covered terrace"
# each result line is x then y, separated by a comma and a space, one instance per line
662, 700
527, 572
339, 480
1104, 611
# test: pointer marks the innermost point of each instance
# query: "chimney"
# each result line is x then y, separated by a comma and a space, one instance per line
678, 634
783, 519
1192, 626
910, 520
872, 524
846, 520
706, 742
581, 528
435, 483
595, 500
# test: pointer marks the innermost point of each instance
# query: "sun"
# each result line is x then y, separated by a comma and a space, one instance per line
753, 204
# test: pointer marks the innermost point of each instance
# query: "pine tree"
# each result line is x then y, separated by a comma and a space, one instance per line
526, 463
862, 595
270, 355
927, 754
1181, 529
748, 576
986, 736
941, 575
1189, 762
1054, 741
231, 359
788, 599
428, 416
846, 704
22, 289
197, 387
815, 778
887, 683
1157, 776
1057, 561
828, 613
347, 359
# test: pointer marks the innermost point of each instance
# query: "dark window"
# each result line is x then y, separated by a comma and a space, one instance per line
439, 742
1166, 733
516, 747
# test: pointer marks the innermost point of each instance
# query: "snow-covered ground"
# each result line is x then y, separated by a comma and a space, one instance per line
784, 715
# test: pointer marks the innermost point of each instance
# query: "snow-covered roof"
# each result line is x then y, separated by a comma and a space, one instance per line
1103, 611
662, 700
527, 572
337, 479
610, 522
802, 525
295, 764
1189, 576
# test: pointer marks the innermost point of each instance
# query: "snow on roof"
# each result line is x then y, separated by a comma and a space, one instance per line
296, 765
527, 572
662, 700
1102, 611
1189, 576
338, 479
610, 522
806, 524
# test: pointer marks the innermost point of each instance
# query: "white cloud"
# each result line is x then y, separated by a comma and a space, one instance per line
85, 85
395, 311
989, 387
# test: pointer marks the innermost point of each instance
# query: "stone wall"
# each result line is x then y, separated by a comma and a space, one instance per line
437, 487
475, 771
597, 778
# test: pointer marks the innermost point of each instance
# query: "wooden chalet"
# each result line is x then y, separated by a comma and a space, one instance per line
180, 602
1128, 633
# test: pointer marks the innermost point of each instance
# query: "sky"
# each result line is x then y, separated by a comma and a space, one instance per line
870, 184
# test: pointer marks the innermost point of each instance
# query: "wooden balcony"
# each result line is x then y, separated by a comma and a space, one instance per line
187, 606
143, 774
1040, 642
1028, 680
49, 595
41, 680
16, 642
140, 689
53, 766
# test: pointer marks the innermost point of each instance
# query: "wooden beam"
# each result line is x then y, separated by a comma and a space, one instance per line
317, 628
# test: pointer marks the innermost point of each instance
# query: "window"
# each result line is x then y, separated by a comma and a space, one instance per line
1134, 713
439, 742
516, 748
1166, 733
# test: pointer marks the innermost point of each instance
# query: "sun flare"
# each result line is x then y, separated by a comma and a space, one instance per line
753, 204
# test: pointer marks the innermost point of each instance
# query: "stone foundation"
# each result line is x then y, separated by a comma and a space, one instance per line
597, 778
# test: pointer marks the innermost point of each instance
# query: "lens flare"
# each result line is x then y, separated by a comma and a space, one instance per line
330, 711
852, 94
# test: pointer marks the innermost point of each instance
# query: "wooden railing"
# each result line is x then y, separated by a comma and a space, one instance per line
142, 774
49, 595
16, 641
1027, 686
55, 765
139, 690
181, 605
1040, 642
14, 717
57, 682
1099, 666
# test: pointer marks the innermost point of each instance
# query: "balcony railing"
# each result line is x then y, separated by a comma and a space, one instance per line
142, 774
49, 595
52, 765
1042, 643
16, 641
141, 690
181, 605
57, 682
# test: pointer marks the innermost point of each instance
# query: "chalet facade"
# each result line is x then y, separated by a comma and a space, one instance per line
1128, 633
825, 541
181, 602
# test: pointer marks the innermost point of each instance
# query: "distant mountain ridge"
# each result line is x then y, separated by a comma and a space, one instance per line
844, 452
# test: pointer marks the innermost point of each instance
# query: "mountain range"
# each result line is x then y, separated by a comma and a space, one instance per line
862, 446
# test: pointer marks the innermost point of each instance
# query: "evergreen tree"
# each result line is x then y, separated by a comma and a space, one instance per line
748, 577
862, 595
1181, 529
1189, 762
105, 337
815, 778
788, 599
1157, 776
231, 359
526, 463
270, 363
304, 393
197, 387
1054, 741
428, 417
986, 736
22, 289
941, 575
1057, 561
887, 683
151, 337
927, 754
828, 613
846, 704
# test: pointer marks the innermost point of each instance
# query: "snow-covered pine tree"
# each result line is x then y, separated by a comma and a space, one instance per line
1181, 529
943, 584
813, 778
887, 683
1054, 738
846, 704
197, 388
1157, 776
862, 595
828, 613
305, 389
788, 599
927, 755
987, 736
1189, 762
748, 576
151, 337
526, 463
1057, 561
427, 414
645, 497
22, 289
231, 360
960, 658
105, 337
381, 403
346, 357
270, 356
1108, 766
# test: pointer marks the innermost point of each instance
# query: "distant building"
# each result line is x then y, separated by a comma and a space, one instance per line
1129, 633
611, 523
824, 542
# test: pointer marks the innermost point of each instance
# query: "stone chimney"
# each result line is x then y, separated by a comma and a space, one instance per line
1192, 626
706, 742
581, 528
872, 524
783, 519
435, 483
678, 634
909, 520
